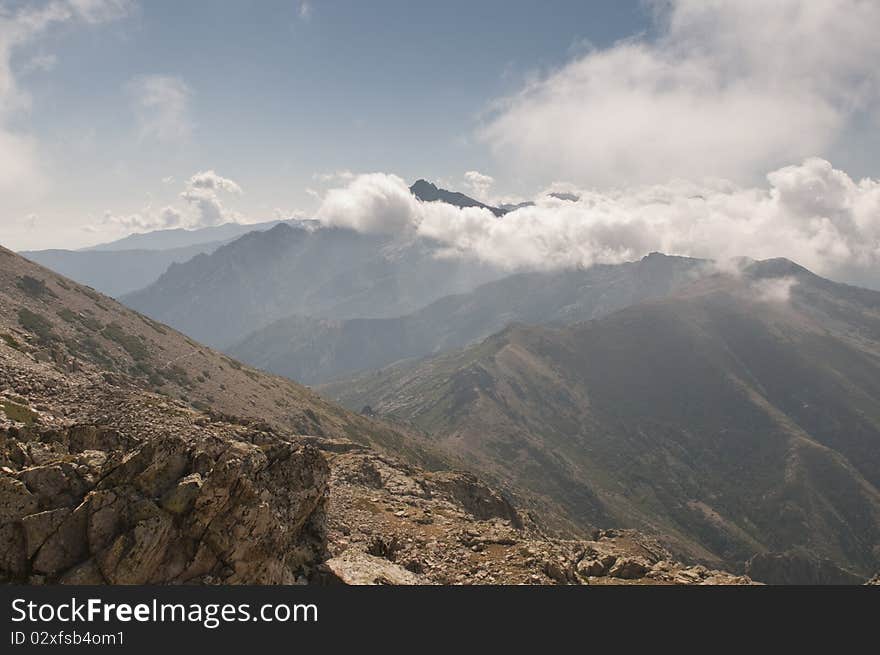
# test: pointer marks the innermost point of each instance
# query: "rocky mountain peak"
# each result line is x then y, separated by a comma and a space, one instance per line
428, 192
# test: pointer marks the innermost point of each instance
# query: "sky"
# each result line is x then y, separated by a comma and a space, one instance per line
270, 94
681, 124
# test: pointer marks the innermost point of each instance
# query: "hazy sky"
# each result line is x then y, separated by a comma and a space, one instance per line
118, 115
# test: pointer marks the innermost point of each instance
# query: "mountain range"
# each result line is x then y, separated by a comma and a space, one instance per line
170, 239
316, 350
129, 454
136, 261
730, 411
335, 273
739, 416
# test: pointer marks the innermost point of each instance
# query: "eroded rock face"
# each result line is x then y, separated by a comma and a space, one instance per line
477, 498
175, 509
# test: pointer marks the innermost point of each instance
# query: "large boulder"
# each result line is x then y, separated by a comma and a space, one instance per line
354, 567
172, 509
480, 500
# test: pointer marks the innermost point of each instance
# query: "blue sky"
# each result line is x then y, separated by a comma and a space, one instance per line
108, 107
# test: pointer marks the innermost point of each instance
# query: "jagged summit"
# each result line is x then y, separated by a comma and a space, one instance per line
428, 192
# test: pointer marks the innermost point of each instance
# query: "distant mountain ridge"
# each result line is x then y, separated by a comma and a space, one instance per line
315, 350
428, 192
136, 261
183, 238
116, 272
295, 269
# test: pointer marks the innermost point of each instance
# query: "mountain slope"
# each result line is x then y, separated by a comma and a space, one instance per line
47, 318
291, 269
121, 463
316, 350
740, 416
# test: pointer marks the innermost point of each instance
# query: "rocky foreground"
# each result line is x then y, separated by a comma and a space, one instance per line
104, 482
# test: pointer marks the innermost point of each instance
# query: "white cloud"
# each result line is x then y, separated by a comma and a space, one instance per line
728, 89
774, 290
371, 203
161, 104
203, 208
479, 184
201, 194
811, 213
20, 169
210, 181
333, 176
145, 221
305, 10
281, 214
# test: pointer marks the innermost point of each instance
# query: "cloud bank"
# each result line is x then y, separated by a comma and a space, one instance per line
203, 208
727, 89
811, 213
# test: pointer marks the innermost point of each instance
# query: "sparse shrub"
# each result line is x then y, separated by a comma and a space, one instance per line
18, 413
33, 287
67, 315
178, 375
90, 349
91, 323
90, 293
37, 324
132, 344
72, 317
10, 341
153, 324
